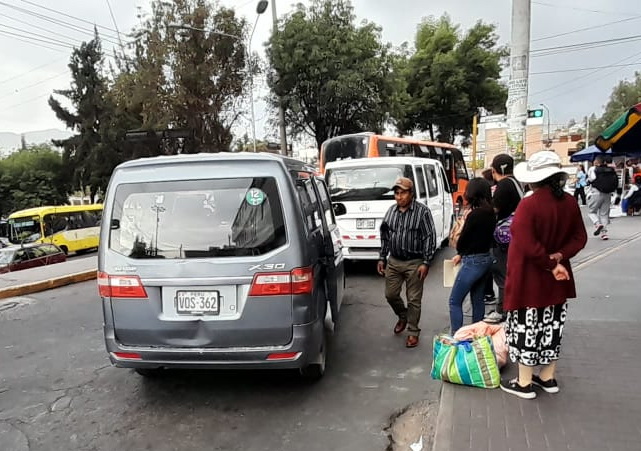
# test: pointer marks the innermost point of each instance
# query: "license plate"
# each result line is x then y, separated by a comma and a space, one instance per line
365, 223
197, 302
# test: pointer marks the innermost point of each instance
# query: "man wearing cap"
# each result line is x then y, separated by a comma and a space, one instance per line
408, 244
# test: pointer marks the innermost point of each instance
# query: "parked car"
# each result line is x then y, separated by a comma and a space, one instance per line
229, 260
16, 258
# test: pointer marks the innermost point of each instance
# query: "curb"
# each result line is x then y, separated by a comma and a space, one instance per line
35, 287
444, 419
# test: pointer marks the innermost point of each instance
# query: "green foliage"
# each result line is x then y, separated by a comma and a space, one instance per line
82, 157
31, 178
624, 96
450, 76
333, 76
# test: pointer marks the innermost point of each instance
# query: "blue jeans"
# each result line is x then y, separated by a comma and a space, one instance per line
471, 279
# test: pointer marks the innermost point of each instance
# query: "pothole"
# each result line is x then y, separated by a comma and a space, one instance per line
414, 425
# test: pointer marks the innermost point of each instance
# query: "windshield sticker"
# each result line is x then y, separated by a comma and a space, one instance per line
255, 197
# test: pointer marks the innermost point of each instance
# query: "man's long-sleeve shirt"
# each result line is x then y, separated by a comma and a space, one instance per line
410, 234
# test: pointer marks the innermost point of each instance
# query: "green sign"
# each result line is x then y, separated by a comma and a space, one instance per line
255, 197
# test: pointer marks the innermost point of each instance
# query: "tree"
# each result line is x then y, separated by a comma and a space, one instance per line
81, 152
191, 77
450, 76
332, 76
32, 178
624, 96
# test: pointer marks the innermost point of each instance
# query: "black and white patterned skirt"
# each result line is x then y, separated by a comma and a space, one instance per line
534, 334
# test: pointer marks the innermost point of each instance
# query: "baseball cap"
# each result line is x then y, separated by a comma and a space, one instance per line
403, 183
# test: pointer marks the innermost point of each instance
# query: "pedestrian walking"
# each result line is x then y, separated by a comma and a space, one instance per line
580, 184
603, 182
408, 244
547, 231
473, 253
506, 198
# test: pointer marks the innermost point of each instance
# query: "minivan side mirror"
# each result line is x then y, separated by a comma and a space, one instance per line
454, 187
115, 224
339, 209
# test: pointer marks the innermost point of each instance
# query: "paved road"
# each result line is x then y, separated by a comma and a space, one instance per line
60, 391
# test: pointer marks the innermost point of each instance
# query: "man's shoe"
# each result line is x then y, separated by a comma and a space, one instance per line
548, 386
401, 324
512, 387
411, 342
494, 318
597, 229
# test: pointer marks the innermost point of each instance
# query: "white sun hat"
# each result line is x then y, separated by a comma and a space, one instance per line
540, 166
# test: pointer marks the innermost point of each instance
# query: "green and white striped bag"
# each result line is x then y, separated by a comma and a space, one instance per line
467, 362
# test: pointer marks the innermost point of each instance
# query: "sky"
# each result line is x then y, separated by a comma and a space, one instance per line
572, 84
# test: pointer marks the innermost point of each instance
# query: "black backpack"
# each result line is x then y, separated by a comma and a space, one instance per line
607, 180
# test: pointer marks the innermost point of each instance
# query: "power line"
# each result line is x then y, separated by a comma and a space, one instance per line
580, 69
13, 36
577, 8
68, 15
58, 22
621, 61
113, 18
585, 29
67, 46
584, 45
40, 29
51, 40
19, 90
30, 71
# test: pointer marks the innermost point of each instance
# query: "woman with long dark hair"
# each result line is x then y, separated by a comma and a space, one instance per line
547, 231
473, 253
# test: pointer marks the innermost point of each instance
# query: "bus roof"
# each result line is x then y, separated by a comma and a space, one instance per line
409, 140
38, 211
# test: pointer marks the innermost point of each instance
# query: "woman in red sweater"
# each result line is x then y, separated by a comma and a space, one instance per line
547, 231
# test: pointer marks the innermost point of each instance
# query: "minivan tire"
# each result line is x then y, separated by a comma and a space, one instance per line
315, 371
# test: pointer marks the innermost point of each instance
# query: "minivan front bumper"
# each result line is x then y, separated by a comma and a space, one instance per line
306, 343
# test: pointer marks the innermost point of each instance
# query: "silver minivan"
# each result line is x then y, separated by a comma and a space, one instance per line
219, 261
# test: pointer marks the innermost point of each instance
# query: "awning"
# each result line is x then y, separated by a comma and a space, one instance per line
624, 135
587, 154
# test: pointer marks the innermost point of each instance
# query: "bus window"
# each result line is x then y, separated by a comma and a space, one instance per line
24, 230
461, 170
432, 184
429, 152
346, 148
394, 149
420, 183
446, 183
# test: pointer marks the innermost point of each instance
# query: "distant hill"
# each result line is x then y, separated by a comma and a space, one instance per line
11, 141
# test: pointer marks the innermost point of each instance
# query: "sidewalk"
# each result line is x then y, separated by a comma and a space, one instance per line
599, 405
21, 283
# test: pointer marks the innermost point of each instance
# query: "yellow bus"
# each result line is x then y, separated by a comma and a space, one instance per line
73, 228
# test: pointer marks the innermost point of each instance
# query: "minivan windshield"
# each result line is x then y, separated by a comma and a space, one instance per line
374, 182
197, 218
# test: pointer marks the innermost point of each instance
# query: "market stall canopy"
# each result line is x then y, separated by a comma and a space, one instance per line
624, 135
587, 154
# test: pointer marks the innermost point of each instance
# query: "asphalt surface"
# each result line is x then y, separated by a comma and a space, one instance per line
58, 390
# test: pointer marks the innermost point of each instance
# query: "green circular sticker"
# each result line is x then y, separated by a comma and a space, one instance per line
255, 197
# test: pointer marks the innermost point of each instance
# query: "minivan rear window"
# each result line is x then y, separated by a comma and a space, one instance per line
197, 218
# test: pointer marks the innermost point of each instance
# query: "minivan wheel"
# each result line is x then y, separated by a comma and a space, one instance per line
150, 372
316, 370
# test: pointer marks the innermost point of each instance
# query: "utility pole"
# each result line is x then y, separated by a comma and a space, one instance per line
475, 132
587, 133
281, 112
519, 69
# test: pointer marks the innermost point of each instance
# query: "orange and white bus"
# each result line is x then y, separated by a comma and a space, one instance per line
370, 145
